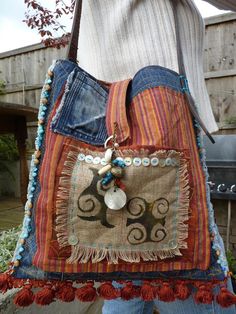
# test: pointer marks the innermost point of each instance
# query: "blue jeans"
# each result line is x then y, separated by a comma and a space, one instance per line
138, 306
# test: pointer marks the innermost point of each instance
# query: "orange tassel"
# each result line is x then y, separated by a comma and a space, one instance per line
181, 290
108, 292
225, 298
18, 283
45, 296
130, 291
24, 297
148, 292
87, 293
66, 292
166, 293
37, 283
204, 294
5, 282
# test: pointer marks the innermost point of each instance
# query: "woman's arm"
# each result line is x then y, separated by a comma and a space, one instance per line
223, 4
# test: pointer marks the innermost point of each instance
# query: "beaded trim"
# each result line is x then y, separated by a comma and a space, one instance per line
215, 237
34, 166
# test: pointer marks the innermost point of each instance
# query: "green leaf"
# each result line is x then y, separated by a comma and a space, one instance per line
8, 240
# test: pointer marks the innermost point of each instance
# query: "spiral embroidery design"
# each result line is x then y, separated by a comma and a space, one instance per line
146, 221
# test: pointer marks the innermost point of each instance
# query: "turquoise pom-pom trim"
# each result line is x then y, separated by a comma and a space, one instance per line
216, 242
34, 167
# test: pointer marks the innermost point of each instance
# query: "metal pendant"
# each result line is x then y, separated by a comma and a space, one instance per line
115, 198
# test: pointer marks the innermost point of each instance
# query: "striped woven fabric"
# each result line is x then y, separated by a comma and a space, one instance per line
157, 117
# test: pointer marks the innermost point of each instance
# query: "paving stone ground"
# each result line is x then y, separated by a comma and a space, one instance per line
7, 307
11, 215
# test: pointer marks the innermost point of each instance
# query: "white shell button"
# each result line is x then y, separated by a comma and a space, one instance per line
173, 162
128, 161
162, 163
81, 157
137, 161
96, 160
103, 162
168, 161
73, 240
146, 162
89, 159
154, 161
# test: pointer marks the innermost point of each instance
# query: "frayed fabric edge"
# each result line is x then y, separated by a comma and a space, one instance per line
184, 200
62, 199
59, 109
84, 254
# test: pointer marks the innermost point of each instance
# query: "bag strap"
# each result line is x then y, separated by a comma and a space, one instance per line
182, 71
73, 47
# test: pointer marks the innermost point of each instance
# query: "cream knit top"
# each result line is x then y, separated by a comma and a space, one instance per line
119, 37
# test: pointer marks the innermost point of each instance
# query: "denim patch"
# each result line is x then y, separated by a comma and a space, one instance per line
82, 112
153, 76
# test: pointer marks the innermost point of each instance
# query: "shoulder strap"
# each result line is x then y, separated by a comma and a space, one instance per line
73, 47
191, 101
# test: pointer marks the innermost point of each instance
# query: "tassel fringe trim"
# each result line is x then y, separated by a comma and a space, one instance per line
85, 291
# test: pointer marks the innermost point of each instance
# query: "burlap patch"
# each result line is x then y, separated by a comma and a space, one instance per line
152, 225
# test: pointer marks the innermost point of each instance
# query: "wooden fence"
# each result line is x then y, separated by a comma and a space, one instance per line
220, 69
24, 69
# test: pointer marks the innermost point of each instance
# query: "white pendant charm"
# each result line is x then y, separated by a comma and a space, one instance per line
108, 155
115, 198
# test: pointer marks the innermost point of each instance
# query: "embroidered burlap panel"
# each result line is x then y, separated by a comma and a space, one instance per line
152, 225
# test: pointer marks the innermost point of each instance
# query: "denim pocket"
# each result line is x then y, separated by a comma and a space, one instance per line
82, 111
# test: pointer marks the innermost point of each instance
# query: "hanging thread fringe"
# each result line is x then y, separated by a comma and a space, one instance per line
62, 201
182, 290
66, 292
45, 296
204, 294
24, 297
225, 298
87, 293
166, 293
130, 291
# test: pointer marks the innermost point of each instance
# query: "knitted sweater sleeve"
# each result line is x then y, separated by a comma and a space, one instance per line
223, 4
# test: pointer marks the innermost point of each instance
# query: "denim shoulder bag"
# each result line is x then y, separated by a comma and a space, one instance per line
118, 191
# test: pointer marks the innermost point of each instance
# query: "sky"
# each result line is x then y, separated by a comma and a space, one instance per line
15, 34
